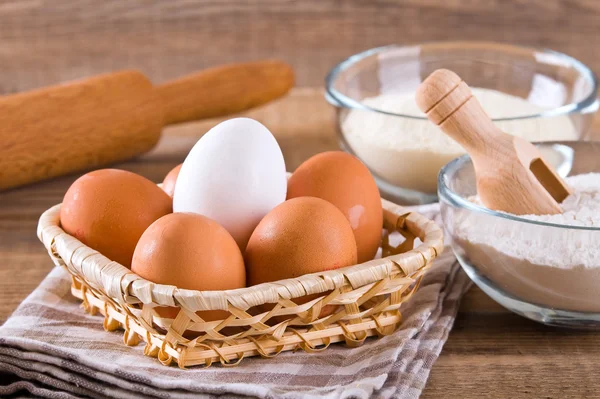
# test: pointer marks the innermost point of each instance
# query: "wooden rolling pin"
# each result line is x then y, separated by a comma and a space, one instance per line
97, 121
512, 176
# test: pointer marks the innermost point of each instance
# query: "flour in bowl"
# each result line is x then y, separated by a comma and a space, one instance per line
409, 152
555, 267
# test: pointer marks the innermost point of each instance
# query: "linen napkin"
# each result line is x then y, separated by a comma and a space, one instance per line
51, 348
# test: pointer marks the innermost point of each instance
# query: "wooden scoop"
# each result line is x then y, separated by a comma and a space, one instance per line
511, 174
109, 118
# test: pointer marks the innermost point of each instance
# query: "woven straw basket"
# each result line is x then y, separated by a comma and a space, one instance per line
367, 299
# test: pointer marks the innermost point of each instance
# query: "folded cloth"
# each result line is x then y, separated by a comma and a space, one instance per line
51, 348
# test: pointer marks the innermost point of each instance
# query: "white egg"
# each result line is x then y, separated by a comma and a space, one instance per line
235, 174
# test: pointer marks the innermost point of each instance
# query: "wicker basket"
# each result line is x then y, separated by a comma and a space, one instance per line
367, 299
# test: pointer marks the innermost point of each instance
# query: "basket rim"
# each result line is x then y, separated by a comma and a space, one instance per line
133, 287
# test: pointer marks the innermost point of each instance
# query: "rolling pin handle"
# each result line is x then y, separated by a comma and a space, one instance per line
224, 90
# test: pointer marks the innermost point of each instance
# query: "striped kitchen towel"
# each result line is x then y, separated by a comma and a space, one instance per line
51, 348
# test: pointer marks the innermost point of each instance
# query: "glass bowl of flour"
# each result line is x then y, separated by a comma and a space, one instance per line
540, 95
546, 268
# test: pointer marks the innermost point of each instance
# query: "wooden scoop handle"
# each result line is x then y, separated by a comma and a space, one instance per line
450, 104
511, 174
224, 90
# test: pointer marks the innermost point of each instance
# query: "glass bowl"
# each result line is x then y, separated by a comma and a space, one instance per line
546, 272
554, 98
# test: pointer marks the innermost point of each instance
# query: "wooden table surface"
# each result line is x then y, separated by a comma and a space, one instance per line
490, 350
48, 41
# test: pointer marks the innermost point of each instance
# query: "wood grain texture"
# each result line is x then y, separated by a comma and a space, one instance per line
60, 129
224, 90
48, 41
113, 117
511, 174
490, 353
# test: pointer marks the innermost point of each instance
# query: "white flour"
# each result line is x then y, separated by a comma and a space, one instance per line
551, 266
410, 152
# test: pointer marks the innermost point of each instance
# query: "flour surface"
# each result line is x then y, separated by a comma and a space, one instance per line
583, 207
556, 247
551, 266
410, 152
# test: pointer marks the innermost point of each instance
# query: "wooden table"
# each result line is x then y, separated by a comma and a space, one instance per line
48, 41
490, 350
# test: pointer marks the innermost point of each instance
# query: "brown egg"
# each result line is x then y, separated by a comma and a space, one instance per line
109, 209
193, 252
300, 236
343, 180
168, 185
